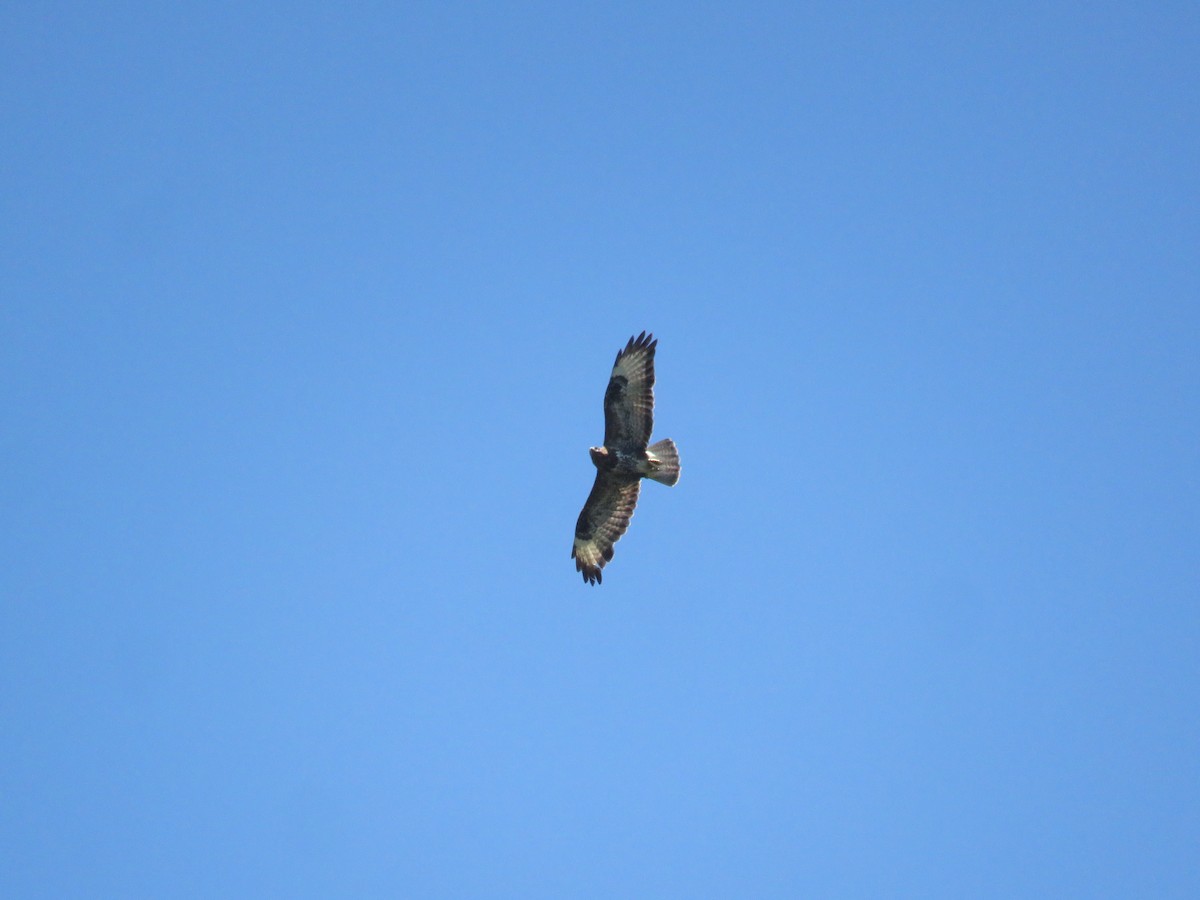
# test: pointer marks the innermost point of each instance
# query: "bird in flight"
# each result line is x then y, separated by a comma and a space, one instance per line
624, 460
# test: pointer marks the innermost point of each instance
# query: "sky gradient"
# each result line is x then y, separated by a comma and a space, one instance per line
306, 315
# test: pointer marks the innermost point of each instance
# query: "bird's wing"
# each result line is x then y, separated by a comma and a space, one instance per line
629, 399
604, 518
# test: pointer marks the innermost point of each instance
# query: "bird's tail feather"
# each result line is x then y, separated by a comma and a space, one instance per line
667, 455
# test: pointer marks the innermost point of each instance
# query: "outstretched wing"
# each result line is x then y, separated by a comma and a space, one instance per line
629, 400
605, 517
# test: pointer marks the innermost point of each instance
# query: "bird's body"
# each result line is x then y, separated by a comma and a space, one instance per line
621, 462
624, 460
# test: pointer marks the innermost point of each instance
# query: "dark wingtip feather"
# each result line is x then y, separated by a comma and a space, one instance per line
643, 341
590, 573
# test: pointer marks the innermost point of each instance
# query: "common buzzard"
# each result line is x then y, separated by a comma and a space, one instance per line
624, 459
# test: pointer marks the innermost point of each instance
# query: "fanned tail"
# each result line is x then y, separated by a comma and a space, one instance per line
666, 455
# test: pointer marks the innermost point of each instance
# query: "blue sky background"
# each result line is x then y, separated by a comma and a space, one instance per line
307, 315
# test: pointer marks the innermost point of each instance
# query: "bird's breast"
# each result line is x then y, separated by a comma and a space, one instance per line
626, 463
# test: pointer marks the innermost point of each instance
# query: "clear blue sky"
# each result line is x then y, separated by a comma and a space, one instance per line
307, 314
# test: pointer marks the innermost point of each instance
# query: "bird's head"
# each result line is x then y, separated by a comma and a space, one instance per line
599, 455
